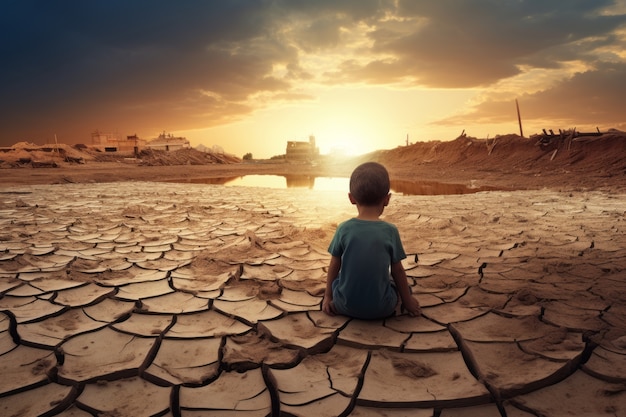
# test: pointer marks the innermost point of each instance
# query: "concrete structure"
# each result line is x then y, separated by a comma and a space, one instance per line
302, 151
111, 142
168, 142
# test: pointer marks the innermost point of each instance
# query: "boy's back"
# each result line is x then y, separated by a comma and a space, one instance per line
366, 254
364, 288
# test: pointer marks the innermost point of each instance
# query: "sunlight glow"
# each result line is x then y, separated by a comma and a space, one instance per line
352, 120
341, 148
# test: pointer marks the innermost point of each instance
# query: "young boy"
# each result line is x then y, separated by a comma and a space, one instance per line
363, 252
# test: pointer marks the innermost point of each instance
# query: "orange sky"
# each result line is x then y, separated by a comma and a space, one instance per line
359, 75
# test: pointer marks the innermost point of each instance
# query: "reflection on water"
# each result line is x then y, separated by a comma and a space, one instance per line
291, 181
214, 181
341, 184
435, 188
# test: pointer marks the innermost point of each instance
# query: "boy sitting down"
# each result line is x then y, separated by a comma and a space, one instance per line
365, 251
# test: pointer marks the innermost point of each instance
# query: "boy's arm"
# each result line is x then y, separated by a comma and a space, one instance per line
333, 271
399, 277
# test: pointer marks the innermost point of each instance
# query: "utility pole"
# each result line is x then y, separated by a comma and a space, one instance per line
519, 119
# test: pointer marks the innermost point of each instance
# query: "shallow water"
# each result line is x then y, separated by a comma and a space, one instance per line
341, 184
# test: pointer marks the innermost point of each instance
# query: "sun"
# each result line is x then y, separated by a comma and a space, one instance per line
343, 148
343, 142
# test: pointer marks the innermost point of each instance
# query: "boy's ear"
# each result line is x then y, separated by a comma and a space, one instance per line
386, 200
352, 200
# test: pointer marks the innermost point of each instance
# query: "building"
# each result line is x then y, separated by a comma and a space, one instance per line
302, 151
168, 142
111, 142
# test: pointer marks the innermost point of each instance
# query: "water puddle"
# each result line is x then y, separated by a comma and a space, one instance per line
437, 188
339, 184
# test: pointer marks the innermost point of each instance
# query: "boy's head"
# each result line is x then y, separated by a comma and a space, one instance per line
369, 184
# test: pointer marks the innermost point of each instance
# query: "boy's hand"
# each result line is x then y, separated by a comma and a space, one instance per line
328, 306
412, 306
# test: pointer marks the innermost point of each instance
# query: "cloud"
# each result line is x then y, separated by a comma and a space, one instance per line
453, 44
136, 60
591, 98
75, 66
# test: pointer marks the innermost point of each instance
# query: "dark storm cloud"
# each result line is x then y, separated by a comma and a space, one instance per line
72, 66
476, 43
133, 59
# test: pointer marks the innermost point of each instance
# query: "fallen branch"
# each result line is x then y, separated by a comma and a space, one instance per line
554, 154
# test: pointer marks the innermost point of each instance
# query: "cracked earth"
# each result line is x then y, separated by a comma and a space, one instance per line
140, 298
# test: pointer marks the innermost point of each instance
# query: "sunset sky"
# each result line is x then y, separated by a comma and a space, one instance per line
359, 75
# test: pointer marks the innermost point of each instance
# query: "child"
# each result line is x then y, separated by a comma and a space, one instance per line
363, 252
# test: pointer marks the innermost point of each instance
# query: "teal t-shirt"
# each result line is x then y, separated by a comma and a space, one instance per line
364, 289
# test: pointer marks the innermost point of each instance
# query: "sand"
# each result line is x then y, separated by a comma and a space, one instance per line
126, 296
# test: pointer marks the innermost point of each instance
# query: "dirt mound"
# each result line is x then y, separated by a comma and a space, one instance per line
24, 154
150, 157
604, 154
49, 155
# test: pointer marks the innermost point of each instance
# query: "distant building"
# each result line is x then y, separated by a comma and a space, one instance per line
111, 142
168, 142
302, 151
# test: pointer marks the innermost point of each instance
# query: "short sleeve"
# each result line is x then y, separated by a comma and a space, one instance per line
336, 247
398, 253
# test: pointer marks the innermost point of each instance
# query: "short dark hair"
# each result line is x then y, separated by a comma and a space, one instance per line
369, 183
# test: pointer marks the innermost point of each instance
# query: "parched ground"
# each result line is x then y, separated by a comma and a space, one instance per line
127, 289
142, 298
